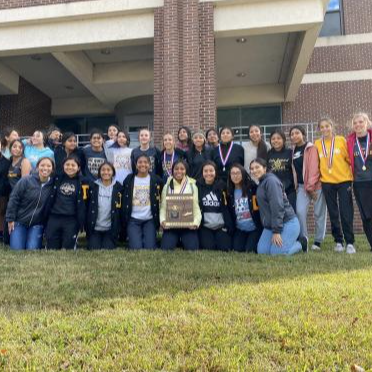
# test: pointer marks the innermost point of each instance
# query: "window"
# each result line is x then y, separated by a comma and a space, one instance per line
332, 25
240, 118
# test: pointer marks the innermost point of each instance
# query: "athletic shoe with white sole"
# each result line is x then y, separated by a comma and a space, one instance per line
350, 249
315, 247
339, 247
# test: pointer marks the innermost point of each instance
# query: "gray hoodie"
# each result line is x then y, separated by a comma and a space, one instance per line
103, 222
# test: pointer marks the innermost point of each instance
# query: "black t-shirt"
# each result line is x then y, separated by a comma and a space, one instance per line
359, 174
280, 163
298, 162
66, 197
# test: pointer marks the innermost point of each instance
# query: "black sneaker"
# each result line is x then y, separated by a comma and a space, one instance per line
304, 244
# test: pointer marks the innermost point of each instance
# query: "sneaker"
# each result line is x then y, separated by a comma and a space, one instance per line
350, 249
315, 247
339, 247
304, 243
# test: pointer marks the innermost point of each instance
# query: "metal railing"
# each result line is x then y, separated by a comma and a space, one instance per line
241, 133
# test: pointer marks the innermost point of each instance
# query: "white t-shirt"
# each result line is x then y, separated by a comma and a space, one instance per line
141, 204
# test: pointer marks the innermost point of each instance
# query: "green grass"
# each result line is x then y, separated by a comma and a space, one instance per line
185, 311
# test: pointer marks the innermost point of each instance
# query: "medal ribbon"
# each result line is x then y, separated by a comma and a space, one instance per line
331, 152
363, 157
183, 187
165, 163
224, 160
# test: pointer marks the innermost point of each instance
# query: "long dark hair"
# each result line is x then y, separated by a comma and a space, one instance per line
246, 184
178, 161
279, 133
261, 147
189, 135
201, 180
6, 133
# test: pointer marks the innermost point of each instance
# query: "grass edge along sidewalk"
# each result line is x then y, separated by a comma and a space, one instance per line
185, 311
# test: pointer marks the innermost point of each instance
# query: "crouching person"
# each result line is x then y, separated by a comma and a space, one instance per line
25, 214
180, 214
103, 221
141, 198
216, 225
281, 225
67, 208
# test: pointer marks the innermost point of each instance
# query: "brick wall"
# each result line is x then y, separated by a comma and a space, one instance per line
27, 110
357, 16
184, 67
7, 4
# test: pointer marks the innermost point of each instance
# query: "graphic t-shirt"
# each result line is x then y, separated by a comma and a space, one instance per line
244, 220
298, 162
93, 160
120, 157
141, 204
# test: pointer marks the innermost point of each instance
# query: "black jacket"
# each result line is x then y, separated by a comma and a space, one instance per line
156, 186
219, 190
196, 159
28, 201
253, 205
4, 168
81, 196
236, 156
275, 209
179, 154
280, 163
92, 209
60, 155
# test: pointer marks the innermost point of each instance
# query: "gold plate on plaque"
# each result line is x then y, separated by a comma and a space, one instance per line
179, 210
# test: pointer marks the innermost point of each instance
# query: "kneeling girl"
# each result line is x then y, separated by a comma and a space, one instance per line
180, 183
216, 225
104, 209
281, 225
141, 198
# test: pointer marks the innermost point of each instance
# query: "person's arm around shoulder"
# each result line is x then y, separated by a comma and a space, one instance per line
25, 167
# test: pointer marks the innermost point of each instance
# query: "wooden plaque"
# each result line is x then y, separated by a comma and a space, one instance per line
179, 211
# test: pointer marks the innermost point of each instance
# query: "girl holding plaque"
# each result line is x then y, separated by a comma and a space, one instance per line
180, 214
141, 198
227, 153
217, 225
336, 178
280, 223
359, 144
169, 155
305, 165
244, 209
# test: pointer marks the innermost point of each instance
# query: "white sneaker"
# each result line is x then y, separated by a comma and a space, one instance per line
315, 247
350, 249
339, 247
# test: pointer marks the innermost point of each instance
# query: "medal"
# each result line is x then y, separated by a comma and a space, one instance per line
363, 157
224, 160
331, 153
169, 172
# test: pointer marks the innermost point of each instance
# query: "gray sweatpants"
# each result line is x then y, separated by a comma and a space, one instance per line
320, 213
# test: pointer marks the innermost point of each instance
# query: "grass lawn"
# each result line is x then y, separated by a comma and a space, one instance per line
185, 311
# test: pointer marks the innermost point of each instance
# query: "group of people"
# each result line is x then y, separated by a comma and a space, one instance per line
252, 197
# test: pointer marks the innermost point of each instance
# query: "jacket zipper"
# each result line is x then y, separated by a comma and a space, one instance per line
37, 204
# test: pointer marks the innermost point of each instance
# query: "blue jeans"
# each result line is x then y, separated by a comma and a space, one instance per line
23, 237
290, 233
141, 234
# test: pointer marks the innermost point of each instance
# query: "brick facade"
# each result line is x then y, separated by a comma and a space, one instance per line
357, 16
26, 111
184, 67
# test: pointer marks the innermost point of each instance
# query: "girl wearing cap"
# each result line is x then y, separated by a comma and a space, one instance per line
227, 153
306, 175
198, 154
359, 144
336, 178
180, 183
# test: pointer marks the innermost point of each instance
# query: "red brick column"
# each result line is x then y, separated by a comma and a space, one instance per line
184, 67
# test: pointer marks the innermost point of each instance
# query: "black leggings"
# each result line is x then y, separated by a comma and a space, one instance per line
218, 240
61, 232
